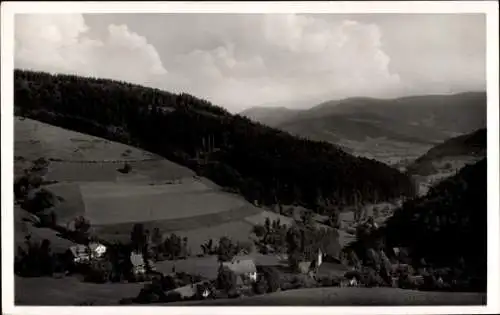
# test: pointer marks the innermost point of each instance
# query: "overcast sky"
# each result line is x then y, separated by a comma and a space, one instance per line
240, 61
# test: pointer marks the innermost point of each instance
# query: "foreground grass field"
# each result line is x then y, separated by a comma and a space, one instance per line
335, 296
70, 291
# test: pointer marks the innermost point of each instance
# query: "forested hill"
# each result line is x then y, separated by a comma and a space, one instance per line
469, 145
260, 162
450, 222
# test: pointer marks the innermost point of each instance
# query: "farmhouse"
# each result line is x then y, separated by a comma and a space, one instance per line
84, 253
244, 269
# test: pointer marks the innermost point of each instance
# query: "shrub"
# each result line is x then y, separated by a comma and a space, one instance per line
272, 277
260, 287
36, 260
82, 225
125, 169
99, 272
226, 280
38, 200
330, 281
372, 279
226, 249
168, 283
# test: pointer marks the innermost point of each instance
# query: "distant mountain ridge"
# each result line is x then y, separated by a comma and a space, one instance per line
426, 118
271, 116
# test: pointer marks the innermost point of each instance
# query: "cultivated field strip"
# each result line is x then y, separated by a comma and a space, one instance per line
185, 223
153, 170
116, 190
103, 210
81, 172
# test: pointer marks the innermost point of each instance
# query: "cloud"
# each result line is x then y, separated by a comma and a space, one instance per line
244, 60
288, 58
60, 43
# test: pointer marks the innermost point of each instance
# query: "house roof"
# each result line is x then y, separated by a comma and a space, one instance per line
240, 266
136, 259
79, 250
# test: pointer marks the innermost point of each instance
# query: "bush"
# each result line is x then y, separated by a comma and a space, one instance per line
372, 279
260, 287
38, 200
302, 281
125, 169
330, 281
168, 283
36, 260
272, 277
226, 280
99, 272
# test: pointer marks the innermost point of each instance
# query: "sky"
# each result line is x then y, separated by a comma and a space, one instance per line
243, 60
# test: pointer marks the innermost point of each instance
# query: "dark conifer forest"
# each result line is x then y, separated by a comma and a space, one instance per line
448, 226
261, 163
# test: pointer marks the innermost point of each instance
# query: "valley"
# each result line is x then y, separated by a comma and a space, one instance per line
212, 186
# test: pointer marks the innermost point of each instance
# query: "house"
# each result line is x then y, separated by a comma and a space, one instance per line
84, 253
139, 267
97, 250
244, 269
80, 254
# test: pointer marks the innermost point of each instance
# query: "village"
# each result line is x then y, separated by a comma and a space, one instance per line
229, 270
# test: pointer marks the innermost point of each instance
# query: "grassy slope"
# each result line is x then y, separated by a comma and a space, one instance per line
97, 190
350, 297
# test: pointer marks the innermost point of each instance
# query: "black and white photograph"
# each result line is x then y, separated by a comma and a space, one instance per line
258, 155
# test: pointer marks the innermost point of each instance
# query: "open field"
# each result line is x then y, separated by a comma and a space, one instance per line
105, 171
70, 291
155, 206
334, 296
388, 151
36, 139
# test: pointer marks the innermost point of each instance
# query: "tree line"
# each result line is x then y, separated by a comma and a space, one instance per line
261, 163
444, 232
